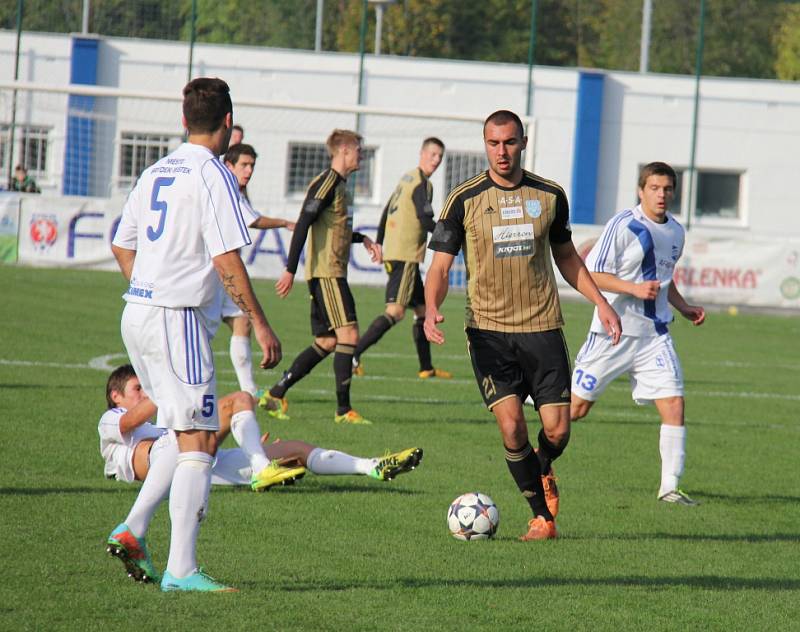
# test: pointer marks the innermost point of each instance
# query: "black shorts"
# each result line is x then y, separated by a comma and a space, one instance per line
521, 364
332, 304
404, 286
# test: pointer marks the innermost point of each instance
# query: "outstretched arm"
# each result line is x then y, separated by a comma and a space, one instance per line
437, 282
266, 223
577, 275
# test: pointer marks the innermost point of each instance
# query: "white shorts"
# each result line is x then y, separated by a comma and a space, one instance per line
651, 362
170, 350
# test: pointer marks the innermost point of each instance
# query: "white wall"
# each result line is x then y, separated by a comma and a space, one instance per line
745, 125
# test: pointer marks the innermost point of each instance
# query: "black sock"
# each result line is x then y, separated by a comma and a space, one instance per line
548, 452
343, 372
302, 365
524, 467
422, 344
379, 326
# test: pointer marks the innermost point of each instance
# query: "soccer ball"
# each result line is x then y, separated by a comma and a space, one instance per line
473, 516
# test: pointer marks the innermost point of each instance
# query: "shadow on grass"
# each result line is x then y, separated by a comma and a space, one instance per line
739, 498
302, 488
707, 582
687, 537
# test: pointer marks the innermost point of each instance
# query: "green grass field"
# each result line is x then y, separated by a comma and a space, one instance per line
351, 553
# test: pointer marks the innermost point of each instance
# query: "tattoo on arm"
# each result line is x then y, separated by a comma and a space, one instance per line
229, 283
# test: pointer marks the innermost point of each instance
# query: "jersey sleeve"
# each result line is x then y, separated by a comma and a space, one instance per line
605, 254
224, 226
251, 215
448, 234
126, 235
560, 231
319, 196
422, 203
108, 428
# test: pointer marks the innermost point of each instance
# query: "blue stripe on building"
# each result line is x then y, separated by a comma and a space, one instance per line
586, 153
79, 151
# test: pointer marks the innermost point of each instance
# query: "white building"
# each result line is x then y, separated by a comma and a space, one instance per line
747, 129
591, 132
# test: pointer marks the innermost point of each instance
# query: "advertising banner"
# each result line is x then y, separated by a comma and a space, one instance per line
714, 268
723, 270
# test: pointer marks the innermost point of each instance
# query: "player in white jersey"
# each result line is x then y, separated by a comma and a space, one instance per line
633, 263
130, 445
180, 234
240, 159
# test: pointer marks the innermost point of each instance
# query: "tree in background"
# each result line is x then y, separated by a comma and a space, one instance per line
744, 38
787, 43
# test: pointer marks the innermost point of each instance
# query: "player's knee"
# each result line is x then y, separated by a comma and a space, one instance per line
559, 437
241, 327
326, 343
396, 312
242, 400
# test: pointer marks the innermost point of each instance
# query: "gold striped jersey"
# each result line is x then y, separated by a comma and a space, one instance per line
328, 217
506, 235
407, 219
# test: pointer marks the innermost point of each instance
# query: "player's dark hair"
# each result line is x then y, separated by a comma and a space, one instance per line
117, 380
501, 117
206, 101
341, 137
238, 128
432, 140
657, 169
237, 151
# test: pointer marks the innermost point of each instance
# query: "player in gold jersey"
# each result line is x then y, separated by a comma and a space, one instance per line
508, 221
327, 215
406, 221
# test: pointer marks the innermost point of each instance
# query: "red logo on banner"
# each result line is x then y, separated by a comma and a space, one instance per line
44, 231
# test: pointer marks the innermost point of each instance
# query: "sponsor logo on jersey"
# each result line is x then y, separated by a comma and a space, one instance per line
510, 212
513, 241
43, 231
489, 210
533, 208
140, 292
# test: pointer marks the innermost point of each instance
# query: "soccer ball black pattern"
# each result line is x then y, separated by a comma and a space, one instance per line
473, 516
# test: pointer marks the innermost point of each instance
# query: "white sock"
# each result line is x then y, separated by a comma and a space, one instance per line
672, 445
231, 467
322, 461
245, 430
188, 505
242, 360
155, 488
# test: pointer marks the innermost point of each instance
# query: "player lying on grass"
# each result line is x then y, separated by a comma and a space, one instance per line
131, 445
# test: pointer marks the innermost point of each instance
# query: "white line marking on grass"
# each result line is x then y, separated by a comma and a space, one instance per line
104, 363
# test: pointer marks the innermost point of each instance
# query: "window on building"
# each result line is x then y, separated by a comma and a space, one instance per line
462, 165
31, 145
306, 160
138, 151
716, 194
